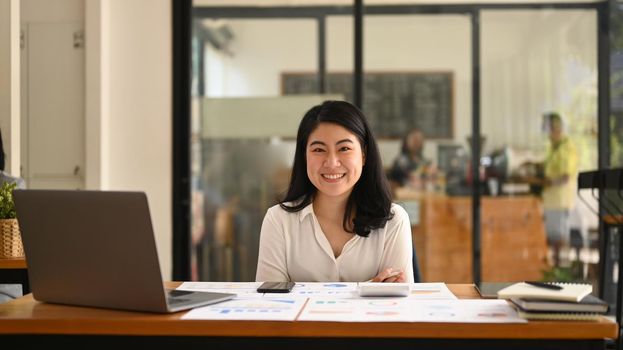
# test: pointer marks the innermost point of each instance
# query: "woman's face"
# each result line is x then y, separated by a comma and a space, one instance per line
555, 130
334, 160
415, 140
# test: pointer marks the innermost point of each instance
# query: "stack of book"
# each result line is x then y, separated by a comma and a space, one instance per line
570, 301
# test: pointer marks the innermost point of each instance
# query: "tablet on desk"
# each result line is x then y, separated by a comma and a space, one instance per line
489, 290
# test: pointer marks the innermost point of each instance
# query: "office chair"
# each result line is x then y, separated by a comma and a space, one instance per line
417, 278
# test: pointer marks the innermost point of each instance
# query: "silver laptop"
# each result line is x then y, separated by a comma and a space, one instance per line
97, 248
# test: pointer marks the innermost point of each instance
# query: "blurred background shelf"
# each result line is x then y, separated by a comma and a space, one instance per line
513, 240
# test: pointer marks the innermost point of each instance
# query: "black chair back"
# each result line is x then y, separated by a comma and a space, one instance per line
417, 278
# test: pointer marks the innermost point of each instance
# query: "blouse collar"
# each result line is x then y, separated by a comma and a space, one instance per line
309, 209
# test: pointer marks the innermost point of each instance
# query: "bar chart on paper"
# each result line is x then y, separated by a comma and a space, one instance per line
318, 289
278, 309
354, 310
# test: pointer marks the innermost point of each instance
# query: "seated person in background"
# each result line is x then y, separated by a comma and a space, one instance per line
6, 177
337, 221
410, 160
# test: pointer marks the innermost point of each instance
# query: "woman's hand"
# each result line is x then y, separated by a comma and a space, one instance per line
390, 276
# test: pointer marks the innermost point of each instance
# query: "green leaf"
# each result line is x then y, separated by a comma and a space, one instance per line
7, 206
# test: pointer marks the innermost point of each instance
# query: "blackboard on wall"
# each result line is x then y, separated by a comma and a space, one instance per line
394, 102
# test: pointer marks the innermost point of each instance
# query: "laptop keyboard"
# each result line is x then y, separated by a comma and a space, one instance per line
178, 293
174, 296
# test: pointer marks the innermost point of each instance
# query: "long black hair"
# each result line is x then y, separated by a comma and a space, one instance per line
371, 197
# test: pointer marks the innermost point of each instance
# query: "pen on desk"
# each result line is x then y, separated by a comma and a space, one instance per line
543, 285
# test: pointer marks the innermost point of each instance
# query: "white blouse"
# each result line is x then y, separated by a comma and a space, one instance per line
294, 248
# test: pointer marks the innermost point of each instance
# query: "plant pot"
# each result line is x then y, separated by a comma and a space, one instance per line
10, 239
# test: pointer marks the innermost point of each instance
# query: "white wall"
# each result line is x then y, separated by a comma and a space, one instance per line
52, 11
139, 112
128, 97
10, 83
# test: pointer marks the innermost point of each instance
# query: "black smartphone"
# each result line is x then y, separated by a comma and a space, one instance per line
276, 287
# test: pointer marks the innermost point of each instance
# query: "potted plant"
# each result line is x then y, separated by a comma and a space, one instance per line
10, 239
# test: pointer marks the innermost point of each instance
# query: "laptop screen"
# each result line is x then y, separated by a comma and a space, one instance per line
91, 248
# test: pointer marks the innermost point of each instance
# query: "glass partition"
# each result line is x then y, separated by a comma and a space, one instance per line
616, 84
253, 78
417, 95
539, 122
243, 134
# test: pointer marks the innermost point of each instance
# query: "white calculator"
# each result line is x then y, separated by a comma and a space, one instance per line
372, 289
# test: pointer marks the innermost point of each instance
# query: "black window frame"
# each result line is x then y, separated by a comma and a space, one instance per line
183, 14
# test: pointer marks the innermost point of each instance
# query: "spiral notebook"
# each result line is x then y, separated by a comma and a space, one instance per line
570, 316
573, 292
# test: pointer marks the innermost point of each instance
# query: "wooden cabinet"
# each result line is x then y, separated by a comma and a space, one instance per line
513, 243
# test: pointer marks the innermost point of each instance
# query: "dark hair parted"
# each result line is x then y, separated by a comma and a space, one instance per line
371, 199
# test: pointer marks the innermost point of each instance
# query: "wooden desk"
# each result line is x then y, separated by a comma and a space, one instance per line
14, 263
26, 321
15, 271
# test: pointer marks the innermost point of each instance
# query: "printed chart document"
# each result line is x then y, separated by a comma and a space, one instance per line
356, 310
261, 309
301, 290
340, 302
465, 311
424, 291
431, 291
409, 310
321, 289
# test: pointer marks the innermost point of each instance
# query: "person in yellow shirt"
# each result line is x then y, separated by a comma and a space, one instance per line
559, 182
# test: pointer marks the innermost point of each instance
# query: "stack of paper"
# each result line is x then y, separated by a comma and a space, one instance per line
572, 302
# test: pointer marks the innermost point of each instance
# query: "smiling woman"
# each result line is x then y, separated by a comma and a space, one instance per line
337, 221
334, 161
